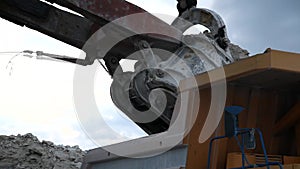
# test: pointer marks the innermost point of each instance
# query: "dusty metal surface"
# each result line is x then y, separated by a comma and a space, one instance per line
103, 11
109, 10
101, 159
197, 54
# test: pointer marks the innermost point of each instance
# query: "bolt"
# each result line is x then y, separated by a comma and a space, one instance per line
114, 60
188, 39
145, 45
160, 73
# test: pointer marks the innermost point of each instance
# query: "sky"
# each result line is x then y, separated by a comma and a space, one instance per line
36, 96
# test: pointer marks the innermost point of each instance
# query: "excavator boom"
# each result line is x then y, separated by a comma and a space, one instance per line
77, 24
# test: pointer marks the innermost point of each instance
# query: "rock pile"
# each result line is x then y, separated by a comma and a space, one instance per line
27, 152
237, 52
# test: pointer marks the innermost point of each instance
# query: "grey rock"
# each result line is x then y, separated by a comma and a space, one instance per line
48, 143
61, 155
